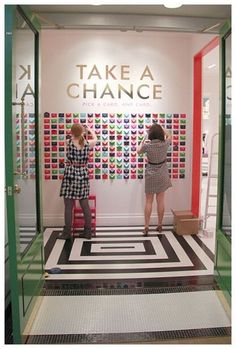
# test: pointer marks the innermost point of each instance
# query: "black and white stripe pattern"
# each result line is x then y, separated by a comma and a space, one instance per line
124, 253
26, 236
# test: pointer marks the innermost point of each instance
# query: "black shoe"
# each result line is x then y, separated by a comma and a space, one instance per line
64, 236
85, 236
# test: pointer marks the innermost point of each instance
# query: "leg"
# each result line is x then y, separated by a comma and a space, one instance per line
84, 204
148, 208
160, 198
68, 203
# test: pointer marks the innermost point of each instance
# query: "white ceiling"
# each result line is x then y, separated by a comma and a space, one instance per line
187, 18
210, 11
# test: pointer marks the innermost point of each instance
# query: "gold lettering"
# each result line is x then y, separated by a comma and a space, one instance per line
147, 73
156, 91
108, 92
108, 72
69, 90
27, 71
28, 91
138, 91
129, 93
123, 71
94, 90
94, 72
81, 70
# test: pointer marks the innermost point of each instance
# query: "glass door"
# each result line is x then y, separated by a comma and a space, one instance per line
23, 130
224, 211
22, 160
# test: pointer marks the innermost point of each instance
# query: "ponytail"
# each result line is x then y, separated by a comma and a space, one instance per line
77, 131
81, 141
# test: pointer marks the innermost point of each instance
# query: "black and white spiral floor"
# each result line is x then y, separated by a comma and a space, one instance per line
122, 287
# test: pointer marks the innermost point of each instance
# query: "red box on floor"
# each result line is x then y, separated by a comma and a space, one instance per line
185, 223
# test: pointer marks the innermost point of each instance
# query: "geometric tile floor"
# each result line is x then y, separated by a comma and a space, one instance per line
124, 253
122, 287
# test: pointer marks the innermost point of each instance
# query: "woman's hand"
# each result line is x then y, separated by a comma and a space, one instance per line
166, 133
94, 139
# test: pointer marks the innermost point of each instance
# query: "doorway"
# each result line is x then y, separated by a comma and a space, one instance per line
205, 139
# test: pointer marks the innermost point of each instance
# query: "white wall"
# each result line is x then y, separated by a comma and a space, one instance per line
170, 59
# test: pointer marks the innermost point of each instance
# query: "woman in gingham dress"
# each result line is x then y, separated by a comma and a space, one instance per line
75, 183
157, 179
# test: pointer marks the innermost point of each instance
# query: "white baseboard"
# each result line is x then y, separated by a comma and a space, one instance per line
27, 220
109, 220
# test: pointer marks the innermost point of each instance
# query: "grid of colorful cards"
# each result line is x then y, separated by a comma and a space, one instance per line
115, 154
25, 145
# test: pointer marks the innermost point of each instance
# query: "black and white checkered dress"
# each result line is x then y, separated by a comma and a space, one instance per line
157, 177
75, 183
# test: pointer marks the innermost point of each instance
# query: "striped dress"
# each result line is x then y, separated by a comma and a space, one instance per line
157, 177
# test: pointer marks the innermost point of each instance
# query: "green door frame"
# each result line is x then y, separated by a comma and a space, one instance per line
223, 244
25, 282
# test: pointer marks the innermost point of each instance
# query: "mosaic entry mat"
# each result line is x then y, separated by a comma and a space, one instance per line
115, 154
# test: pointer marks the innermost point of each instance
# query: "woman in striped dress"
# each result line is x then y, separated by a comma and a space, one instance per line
75, 183
157, 179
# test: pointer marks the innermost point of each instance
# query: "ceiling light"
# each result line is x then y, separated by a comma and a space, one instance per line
173, 4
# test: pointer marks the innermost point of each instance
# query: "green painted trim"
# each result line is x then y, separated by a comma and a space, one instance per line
19, 264
29, 259
14, 256
225, 243
226, 27
224, 281
221, 240
223, 32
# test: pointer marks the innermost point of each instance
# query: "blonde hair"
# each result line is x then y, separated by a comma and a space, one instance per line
77, 131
